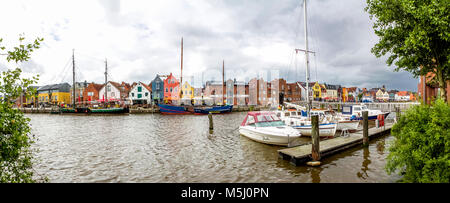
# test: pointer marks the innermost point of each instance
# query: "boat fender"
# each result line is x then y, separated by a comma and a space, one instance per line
380, 118
313, 163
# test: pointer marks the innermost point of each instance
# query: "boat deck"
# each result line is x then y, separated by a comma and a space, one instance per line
302, 154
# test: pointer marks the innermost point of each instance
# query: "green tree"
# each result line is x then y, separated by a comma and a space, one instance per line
415, 34
420, 151
15, 131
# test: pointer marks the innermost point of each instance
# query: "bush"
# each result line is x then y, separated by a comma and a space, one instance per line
16, 156
421, 148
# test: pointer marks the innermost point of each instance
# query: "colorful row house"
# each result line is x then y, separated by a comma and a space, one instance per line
157, 85
54, 94
171, 90
115, 92
140, 93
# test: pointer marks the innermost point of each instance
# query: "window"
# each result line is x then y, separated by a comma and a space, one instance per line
108, 88
56, 98
139, 96
132, 94
146, 94
112, 94
170, 89
167, 90
250, 120
139, 88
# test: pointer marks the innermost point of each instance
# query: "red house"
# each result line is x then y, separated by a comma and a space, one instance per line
171, 89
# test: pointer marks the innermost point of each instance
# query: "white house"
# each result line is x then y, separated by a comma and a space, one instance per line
402, 96
114, 91
140, 93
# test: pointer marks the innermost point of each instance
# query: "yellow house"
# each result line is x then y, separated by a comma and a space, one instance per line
317, 91
188, 91
344, 94
54, 94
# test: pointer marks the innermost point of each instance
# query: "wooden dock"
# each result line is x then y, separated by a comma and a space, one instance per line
302, 154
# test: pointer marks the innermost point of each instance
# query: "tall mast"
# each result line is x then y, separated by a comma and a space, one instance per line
223, 82
181, 77
307, 59
106, 79
73, 79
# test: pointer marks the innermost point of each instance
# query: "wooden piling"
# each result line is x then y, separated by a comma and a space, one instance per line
365, 115
211, 125
315, 149
397, 113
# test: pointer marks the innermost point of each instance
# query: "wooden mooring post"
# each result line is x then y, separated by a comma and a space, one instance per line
365, 115
397, 113
315, 146
211, 125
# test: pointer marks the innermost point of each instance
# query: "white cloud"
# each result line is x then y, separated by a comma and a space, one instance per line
142, 38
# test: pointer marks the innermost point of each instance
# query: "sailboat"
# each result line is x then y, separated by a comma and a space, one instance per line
180, 110
87, 110
297, 119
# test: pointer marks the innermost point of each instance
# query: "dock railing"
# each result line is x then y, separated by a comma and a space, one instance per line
382, 106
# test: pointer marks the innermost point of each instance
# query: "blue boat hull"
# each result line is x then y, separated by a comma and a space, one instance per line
169, 109
214, 109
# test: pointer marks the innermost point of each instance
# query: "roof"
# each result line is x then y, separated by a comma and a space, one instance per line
146, 86
62, 87
96, 86
402, 93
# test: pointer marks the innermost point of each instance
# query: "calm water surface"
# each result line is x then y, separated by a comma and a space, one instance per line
160, 148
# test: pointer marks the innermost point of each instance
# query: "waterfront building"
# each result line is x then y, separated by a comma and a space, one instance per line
91, 92
392, 94
253, 92
293, 92
140, 93
331, 92
171, 90
79, 89
187, 93
262, 89
214, 91
352, 94
157, 90
278, 88
317, 91
54, 94
402, 96
115, 92
428, 89
241, 95
32, 101
303, 90
382, 95
230, 92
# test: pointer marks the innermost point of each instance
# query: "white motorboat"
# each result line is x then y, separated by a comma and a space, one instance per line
355, 111
344, 122
299, 121
266, 127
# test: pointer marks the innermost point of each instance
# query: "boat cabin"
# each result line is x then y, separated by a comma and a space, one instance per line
262, 119
354, 109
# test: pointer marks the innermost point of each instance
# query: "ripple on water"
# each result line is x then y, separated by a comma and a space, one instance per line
159, 148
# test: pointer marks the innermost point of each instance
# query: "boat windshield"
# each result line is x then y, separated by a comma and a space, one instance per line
267, 118
270, 124
364, 108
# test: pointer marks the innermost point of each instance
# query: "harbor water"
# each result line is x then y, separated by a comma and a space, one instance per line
162, 148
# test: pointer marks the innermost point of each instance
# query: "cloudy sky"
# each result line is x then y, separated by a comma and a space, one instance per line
140, 39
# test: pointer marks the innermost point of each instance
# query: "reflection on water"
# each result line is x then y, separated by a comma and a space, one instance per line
159, 148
